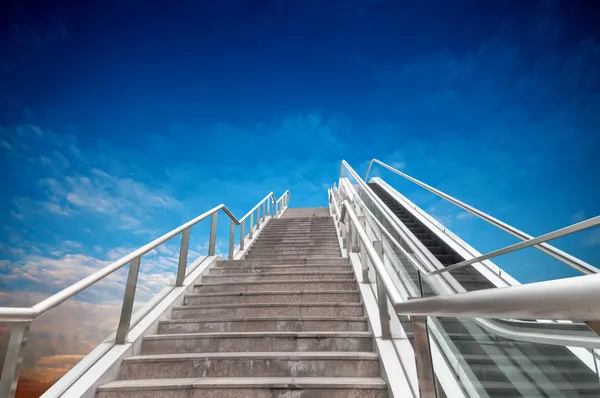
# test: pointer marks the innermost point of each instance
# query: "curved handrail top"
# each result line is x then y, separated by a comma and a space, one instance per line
20, 314
558, 254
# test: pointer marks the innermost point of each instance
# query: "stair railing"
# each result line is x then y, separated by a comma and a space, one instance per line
22, 317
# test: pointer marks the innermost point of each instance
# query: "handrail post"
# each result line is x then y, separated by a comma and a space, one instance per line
183, 253
213, 235
242, 235
364, 263
13, 359
382, 302
258, 219
231, 239
128, 298
423, 360
251, 224
264, 211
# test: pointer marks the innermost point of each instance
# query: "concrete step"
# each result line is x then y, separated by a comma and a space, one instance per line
267, 309
281, 285
257, 342
333, 242
316, 260
264, 324
247, 387
299, 253
297, 233
285, 257
276, 276
349, 296
221, 270
283, 249
330, 240
253, 364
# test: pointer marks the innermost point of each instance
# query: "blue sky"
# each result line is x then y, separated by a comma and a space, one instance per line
119, 120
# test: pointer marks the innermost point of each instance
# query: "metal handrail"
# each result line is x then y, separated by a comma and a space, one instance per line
573, 298
415, 263
558, 254
580, 226
19, 314
22, 317
530, 333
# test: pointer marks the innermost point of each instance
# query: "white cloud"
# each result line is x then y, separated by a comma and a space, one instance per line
592, 238
463, 215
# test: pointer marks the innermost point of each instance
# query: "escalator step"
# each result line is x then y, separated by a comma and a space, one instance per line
445, 259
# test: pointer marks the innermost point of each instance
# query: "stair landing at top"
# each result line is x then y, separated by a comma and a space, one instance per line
306, 212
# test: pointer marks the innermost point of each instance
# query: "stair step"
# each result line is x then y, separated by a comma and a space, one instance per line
264, 324
221, 270
257, 341
281, 285
276, 276
316, 260
267, 309
251, 364
300, 253
290, 297
283, 257
248, 387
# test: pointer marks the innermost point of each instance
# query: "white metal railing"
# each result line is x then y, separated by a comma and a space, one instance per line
448, 285
570, 298
558, 254
21, 318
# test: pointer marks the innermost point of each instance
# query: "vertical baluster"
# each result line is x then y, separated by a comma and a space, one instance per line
13, 359
251, 224
183, 253
212, 243
382, 302
231, 239
128, 299
242, 234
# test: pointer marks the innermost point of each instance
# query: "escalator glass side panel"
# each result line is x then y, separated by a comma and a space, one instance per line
485, 364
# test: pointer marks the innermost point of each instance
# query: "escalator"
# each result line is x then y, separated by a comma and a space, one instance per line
502, 367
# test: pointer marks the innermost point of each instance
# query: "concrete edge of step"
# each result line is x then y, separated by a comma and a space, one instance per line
266, 305
268, 319
284, 355
286, 281
270, 292
246, 382
250, 335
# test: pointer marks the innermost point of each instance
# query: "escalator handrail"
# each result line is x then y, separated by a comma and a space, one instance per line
558, 254
529, 333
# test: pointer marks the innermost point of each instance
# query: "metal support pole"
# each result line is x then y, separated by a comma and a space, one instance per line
382, 302
425, 373
264, 211
364, 264
231, 239
346, 236
128, 298
13, 359
251, 224
242, 235
258, 219
212, 243
183, 253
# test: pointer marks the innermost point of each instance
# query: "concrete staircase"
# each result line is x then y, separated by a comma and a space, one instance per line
286, 321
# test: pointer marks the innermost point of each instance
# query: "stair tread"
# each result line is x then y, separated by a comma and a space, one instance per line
269, 292
244, 305
247, 382
284, 273
207, 335
289, 355
270, 318
276, 281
